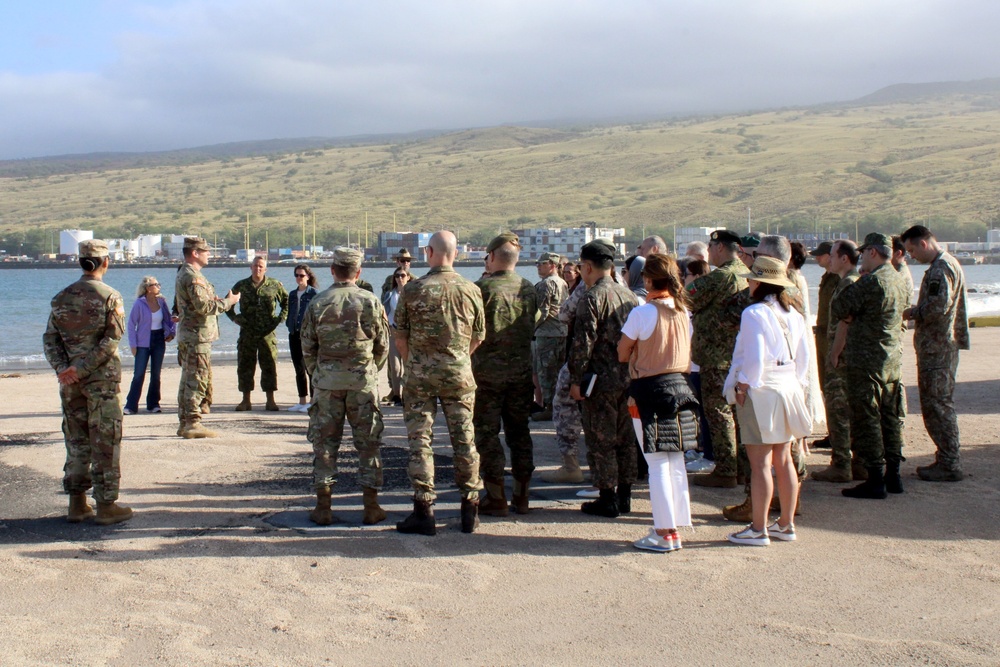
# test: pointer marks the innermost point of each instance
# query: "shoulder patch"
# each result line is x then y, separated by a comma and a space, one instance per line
934, 288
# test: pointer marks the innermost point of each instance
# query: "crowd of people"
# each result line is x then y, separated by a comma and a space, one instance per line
668, 368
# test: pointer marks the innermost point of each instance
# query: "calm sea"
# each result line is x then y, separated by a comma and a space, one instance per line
25, 296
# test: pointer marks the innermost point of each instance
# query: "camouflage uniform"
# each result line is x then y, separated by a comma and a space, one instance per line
257, 322
607, 425
827, 285
198, 308
345, 341
838, 413
439, 316
941, 330
550, 334
502, 369
566, 411
872, 363
86, 323
712, 349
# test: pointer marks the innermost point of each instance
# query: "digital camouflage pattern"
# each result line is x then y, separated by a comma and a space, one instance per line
257, 321
610, 437
827, 285
85, 325
551, 293
838, 412
566, 415
712, 343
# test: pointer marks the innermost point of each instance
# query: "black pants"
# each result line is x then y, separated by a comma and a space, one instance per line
295, 347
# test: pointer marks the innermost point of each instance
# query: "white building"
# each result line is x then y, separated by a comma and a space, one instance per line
69, 240
687, 235
568, 241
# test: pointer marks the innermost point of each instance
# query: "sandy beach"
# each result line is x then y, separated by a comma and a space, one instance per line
220, 565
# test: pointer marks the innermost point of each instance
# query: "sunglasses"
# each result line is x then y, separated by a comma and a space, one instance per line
301, 275
152, 284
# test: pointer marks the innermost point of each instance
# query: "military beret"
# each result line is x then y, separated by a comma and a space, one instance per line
347, 256
878, 241
403, 254
93, 248
548, 257
749, 241
598, 250
824, 248
506, 237
724, 236
196, 243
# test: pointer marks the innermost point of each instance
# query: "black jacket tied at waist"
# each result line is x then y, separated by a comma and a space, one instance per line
669, 412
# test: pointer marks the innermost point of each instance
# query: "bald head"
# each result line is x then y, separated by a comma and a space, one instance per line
650, 245
442, 249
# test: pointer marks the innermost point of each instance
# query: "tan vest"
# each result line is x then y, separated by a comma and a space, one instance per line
668, 348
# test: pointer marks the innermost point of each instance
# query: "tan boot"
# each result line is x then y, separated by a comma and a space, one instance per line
245, 405
832, 474
109, 513
715, 481
373, 512
494, 503
271, 406
520, 500
206, 408
322, 515
741, 513
180, 428
79, 510
776, 503
197, 430
568, 473
859, 473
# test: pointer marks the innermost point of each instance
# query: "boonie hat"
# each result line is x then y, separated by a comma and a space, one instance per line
501, 239
824, 248
878, 241
93, 248
769, 270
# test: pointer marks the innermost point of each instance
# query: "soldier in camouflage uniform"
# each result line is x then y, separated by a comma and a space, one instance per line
403, 261
941, 330
439, 324
260, 298
502, 369
607, 425
827, 284
712, 349
871, 358
198, 308
843, 264
345, 341
81, 345
550, 333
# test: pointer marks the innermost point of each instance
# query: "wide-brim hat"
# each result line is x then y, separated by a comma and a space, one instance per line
769, 270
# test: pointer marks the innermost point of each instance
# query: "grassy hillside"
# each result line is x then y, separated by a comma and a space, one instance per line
933, 161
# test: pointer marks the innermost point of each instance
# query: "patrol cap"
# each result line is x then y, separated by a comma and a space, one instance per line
93, 248
506, 237
348, 257
548, 257
598, 250
769, 270
404, 254
196, 243
749, 241
879, 241
724, 236
824, 248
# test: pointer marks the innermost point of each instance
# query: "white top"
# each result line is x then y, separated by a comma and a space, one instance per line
761, 344
641, 322
157, 321
393, 302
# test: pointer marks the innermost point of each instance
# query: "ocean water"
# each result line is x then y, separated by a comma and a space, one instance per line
25, 296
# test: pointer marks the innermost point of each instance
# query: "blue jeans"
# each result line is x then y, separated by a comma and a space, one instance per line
143, 355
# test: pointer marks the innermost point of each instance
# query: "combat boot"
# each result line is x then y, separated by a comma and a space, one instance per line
494, 503
935, 472
893, 482
520, 499
470, 515
775, 505
606, 505
197, 430
420, 522
873, 488
742, 513
109, 513
373, 511
716, 481
322, 515
271, 406
624, 494
206, 408
245, 405
568, 473
79, 510
834, 474
543, 416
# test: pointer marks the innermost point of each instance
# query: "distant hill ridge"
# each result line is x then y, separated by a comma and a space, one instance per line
918, 92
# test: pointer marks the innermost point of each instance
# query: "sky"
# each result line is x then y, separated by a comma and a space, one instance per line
79, 76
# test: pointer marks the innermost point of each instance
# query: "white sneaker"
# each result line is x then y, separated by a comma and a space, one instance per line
700, 465
657, 543
692, 454
750, 537
589, 493
293, 408
786, 534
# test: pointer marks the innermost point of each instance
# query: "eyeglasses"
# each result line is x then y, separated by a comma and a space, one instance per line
301, 275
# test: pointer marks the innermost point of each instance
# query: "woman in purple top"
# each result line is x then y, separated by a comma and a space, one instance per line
150, 328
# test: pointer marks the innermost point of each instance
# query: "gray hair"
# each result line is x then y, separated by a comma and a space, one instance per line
144, 285
697, 249
653, 244
778, 247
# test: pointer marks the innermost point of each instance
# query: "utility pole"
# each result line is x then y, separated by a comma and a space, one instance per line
303, 234
748, 219
246, 235
312, 250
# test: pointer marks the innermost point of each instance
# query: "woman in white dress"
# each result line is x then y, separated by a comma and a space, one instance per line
766, 382
814, 395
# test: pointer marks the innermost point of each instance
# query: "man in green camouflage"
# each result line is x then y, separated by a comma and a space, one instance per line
403, 261
439, 324
502, 369
827, 284
81, 345
550, 333
198, 309
712, 349
872, 310
345, 341
263, 306
941, 329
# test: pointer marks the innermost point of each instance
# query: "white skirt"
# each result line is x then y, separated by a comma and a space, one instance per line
780, 407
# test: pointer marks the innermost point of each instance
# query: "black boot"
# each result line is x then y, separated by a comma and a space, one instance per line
873, 487
470, 515
420, 522
893, 482
606, 505
624, 498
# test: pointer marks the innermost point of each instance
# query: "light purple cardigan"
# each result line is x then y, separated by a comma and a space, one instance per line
141, 319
